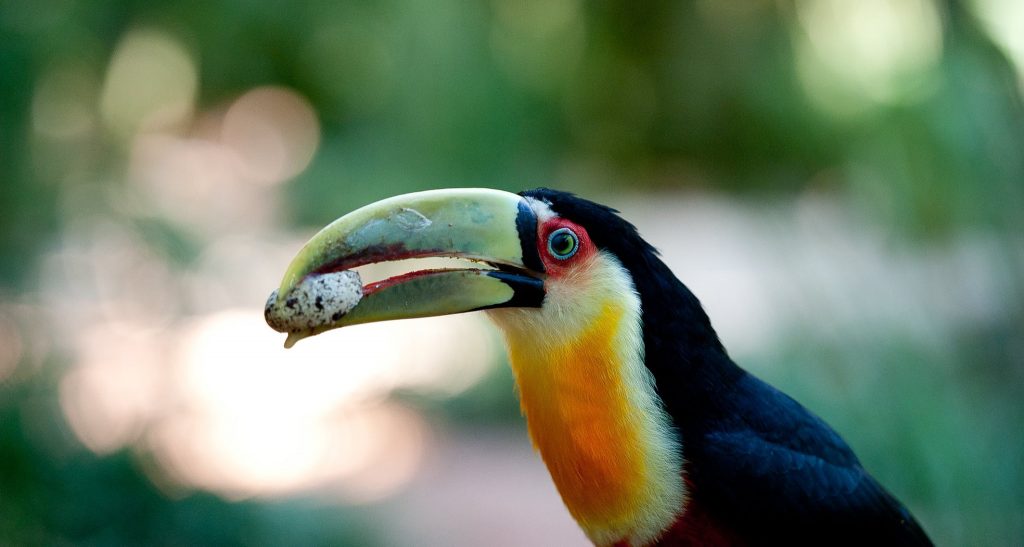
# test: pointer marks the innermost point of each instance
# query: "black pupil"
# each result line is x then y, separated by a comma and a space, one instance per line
563, 243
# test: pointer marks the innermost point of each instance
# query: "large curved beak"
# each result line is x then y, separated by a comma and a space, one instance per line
489, 226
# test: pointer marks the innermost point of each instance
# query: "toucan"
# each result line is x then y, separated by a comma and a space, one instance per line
649, 430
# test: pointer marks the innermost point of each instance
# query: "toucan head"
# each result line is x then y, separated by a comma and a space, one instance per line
568, 282
537, 249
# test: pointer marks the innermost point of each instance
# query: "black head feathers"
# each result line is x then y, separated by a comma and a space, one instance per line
677, 333
605, 227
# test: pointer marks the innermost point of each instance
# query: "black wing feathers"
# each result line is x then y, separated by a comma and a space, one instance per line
780, 473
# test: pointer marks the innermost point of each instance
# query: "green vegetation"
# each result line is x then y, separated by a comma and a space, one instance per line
918, 129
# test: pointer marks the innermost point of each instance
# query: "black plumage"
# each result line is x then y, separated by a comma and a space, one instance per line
759, 465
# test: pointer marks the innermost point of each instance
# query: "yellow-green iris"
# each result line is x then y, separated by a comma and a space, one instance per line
563, 243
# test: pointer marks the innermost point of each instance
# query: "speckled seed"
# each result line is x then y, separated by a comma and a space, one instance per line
318, 300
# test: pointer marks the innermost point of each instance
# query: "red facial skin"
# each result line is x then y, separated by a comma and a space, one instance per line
553, 266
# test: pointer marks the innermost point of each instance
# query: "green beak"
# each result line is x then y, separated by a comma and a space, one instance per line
489, 226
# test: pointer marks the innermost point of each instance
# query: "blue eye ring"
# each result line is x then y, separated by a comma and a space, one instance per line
563, 243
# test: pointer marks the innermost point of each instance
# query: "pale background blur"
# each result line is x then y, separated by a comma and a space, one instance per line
840, 182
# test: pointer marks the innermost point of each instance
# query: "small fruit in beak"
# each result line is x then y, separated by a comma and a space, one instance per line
318, 300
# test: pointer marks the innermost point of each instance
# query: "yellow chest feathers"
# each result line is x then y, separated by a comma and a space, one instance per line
591, 408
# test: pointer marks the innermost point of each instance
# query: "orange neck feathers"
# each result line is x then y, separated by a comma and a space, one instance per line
591, 407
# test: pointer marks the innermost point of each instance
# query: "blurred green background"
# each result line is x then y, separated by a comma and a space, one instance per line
842, 183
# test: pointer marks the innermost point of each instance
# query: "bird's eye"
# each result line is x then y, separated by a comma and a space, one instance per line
563, 243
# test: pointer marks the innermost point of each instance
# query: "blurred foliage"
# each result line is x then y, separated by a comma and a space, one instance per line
585, 96
55, 492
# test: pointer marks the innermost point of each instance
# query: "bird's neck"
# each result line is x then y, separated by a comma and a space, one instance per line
682, 351
591, 406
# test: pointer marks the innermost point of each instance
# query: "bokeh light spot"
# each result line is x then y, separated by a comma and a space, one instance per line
114, 389
1005, 21
151, 83
274, 131
856, 54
